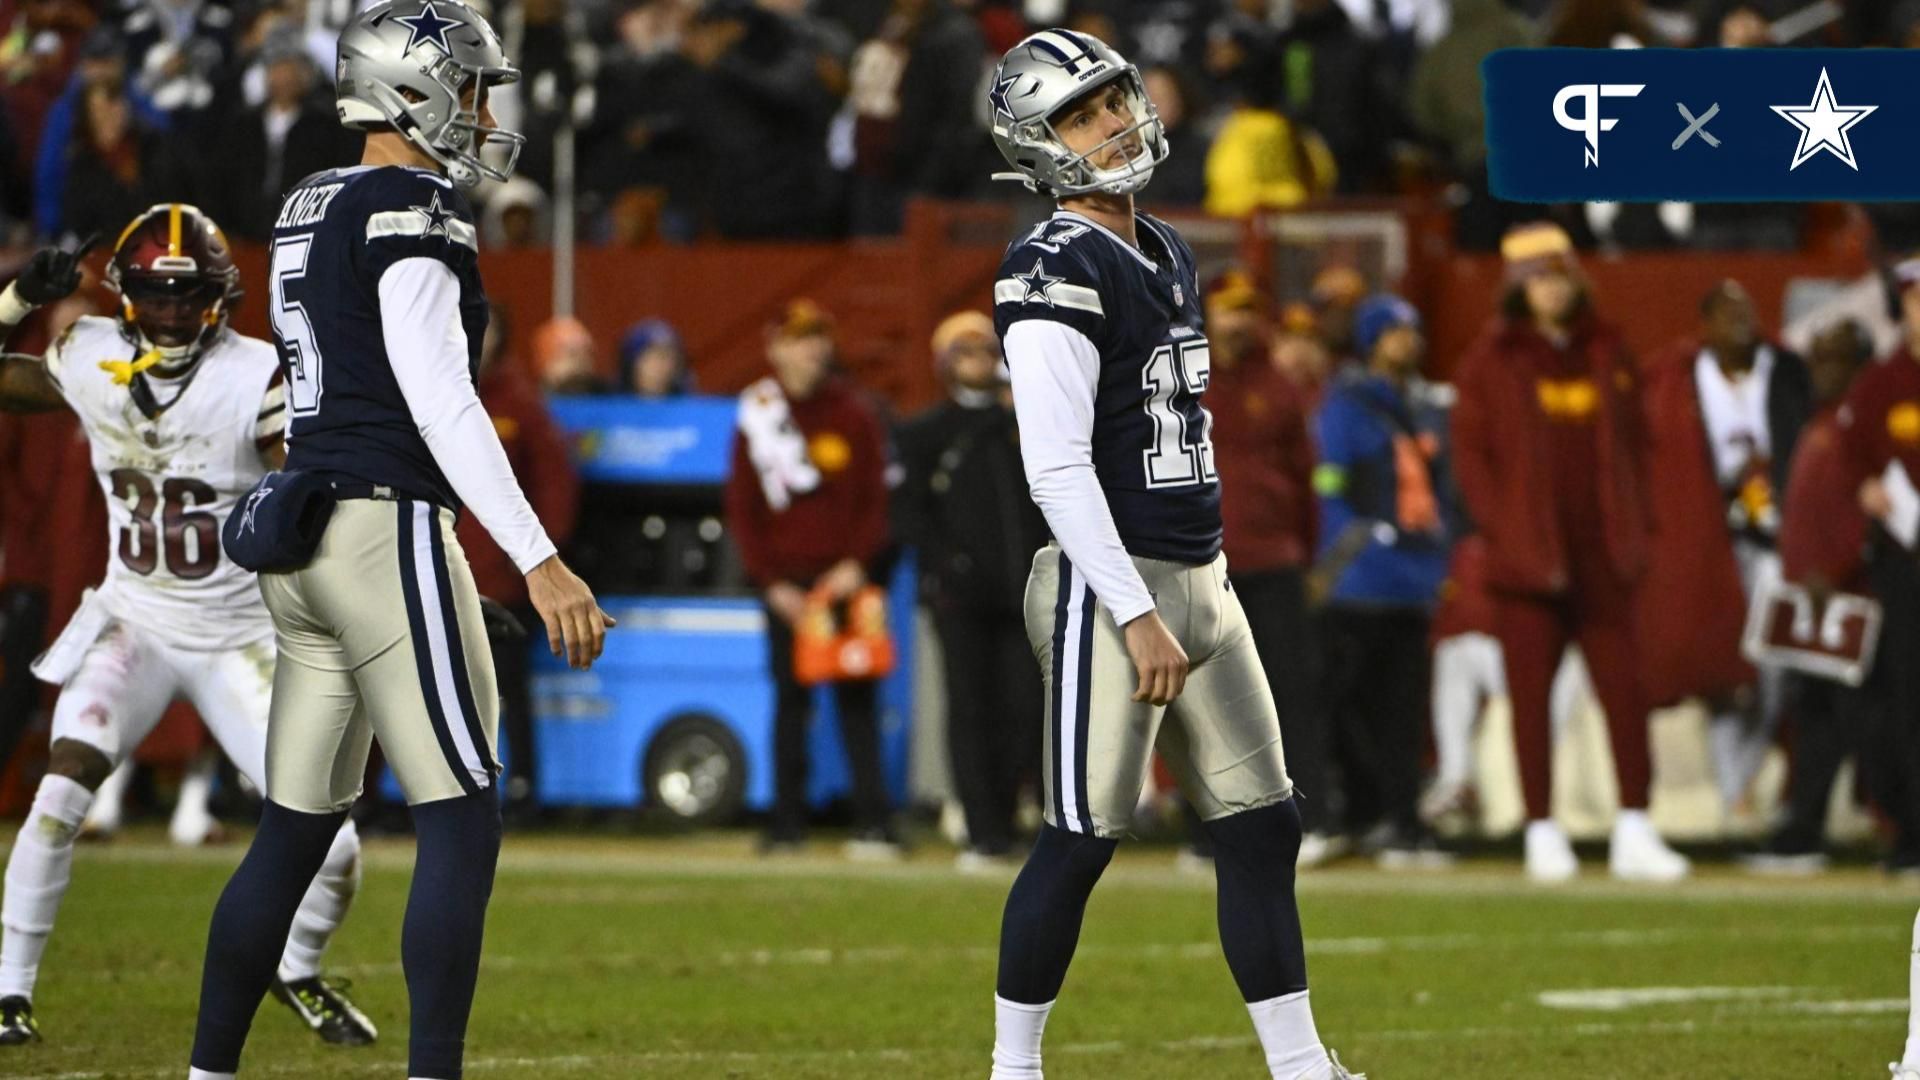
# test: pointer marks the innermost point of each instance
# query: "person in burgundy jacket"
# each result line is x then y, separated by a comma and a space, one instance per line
807, 505
1824, 538
1550, 457
1264, 453
1725, 408
541, 462
1879, 423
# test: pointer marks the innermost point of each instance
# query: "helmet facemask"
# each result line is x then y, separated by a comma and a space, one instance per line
1074, 173
456, 142
174, 315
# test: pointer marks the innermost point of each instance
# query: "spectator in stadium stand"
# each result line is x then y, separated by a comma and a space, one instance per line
1264, 453
564, 355
1725, 407
45, 41
1550, 456
291, 135
806, 502
1383, 554
964, 508
1339, 83
179, 51
117, 166
1879, 421
542, 464
653, 361
641, 134
1337, 290
1823, 544
1455, 122
1181, 180
1299, 353
914, 98
102, 60
1261, 158
760, 108
517, 216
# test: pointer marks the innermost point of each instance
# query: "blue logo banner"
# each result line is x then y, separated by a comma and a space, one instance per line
622, 440
1703, 125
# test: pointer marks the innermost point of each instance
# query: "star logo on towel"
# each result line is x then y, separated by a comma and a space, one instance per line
258, 496
1037, 282
1823, 125
437, 216
427, 28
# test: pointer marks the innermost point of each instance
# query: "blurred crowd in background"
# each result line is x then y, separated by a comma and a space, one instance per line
1407, 550
772, 119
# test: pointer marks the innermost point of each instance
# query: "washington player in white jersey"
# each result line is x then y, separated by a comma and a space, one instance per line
183, 416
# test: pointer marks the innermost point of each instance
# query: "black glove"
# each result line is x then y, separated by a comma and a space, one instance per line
500, 622
52, 274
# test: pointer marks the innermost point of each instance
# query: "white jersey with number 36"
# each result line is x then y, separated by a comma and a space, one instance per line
173, 456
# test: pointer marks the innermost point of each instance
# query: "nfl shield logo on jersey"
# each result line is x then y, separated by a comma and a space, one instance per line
1179, 297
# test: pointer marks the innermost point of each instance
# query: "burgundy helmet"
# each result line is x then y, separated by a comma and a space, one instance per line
177, 282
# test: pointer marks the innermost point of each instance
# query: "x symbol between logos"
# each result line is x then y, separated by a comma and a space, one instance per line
1696, 126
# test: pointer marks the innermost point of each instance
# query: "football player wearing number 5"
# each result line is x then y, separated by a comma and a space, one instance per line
378, 315
1140, 637
183, 415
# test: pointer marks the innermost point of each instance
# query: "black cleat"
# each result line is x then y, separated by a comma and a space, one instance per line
324, 1007
16, 1022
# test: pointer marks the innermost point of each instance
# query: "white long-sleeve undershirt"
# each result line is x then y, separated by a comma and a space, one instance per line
1056, 372
427, 345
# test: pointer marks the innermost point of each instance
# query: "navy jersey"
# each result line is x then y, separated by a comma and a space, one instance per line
1141, 308
337, 233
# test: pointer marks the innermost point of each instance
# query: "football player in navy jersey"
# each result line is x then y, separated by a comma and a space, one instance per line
378, 313
1140, 638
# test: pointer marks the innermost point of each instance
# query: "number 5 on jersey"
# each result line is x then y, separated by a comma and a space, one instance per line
1182, 451
293, 330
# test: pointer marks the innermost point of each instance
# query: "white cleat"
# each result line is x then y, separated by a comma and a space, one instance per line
1637, 853
1319, 849
1904, 1072
1550, 858
1341, 1072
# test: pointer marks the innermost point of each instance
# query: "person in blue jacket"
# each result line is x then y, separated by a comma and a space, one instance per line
1382, 558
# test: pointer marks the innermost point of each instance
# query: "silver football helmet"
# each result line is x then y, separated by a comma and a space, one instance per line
404, 63
1042, 75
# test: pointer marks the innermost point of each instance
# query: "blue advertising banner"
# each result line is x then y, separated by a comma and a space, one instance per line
619, 440
1703, 125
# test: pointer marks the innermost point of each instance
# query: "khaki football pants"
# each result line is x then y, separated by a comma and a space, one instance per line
380, 636
1222, 738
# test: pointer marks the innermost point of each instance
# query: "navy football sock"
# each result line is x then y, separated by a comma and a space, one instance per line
1253, 859
1042, 921
250, 925
459, 842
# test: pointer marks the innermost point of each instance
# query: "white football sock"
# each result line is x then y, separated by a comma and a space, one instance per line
1017, 1030
1287, 1034
192, 819
202, 1074
37, 876
1456, 699
1912, 1057
323, 907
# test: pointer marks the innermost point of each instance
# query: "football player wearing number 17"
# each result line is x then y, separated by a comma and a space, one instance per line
1138, 632
183, 416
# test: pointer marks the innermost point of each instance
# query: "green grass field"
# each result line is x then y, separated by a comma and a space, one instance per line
689, 958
